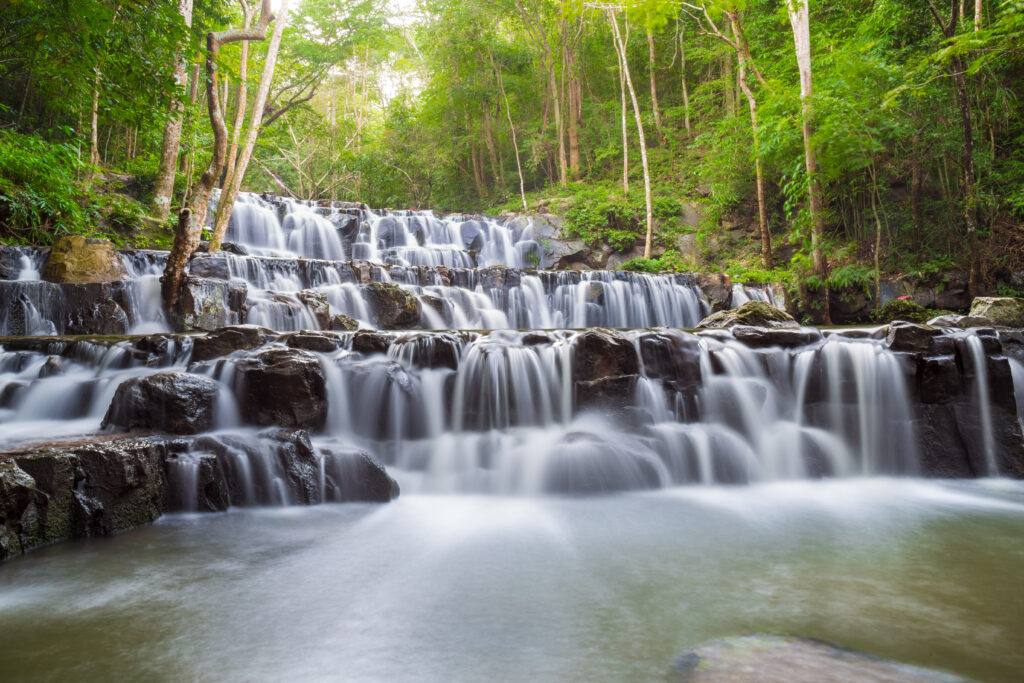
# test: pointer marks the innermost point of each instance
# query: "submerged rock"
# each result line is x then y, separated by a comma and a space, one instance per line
758, 658
79, 260
999, 311
751, 314
172, 402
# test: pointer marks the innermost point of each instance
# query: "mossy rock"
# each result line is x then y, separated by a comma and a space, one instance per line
902, 309
80, 260
394, 307
1002, 311
752, 314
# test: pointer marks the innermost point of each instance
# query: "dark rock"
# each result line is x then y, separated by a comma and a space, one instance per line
599, 354
343, 323
354, 475
225, 340
751, 314
938, 379
717, 290
393, 307
758, 658
173, 402
318, 307
211, 494
312, 341
238, 293
212, 266
362, 270
54, 365
904, 336
762, 337
202, 305
232, 248
607, 394
372, 341
284, 387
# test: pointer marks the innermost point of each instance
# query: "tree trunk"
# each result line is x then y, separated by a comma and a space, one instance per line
977, 15
916, 182
762, 210
492, 153
654, 86
563, 170
184, 159
640, 131
255, 125
192, 218
625, 131
970, 199
682, 73
575, 98
799, 18
512, 128
728, 83
878, 238
164, 188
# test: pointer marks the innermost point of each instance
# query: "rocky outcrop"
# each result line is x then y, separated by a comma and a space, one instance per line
757, 658
717, 290
750, 314
354, 475
316, 304
321, 342
98, 489
170, 402
206, 304
80, 260
393, 307
284, 387
605, 369
225, 340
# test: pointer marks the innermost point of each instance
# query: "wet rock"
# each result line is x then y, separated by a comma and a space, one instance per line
53, 366
354, 475
762, 337
938, 379
225, 340
673, 357
202, 305
211, 494
172, 402
717, 289
79, 260
751, 314
317, 304
362, 270
904, 336
211, 266
394, 308
238, 293
758, 658
312, 341
1001, 311
608, 394
599, 354
19, 510
372, 341
284, 387
343, 323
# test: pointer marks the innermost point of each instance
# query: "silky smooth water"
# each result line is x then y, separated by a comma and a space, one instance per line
471, 588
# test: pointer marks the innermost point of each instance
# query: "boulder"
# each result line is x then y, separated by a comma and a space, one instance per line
372, 341
343, 323
79, 260
362, 270
173, 402
212, 266
284, 387
600, 354
938, 379
393, 307
764, 337
1000, 311
19, 510
225, 340
354, 475
757, 658
318, 307
717, 289
312, 341
904, 336
751, 314
203, 305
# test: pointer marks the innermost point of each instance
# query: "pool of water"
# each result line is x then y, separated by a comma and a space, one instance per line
472, 588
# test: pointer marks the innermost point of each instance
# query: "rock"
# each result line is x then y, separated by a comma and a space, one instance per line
362, 270
758, 658
284, 387
225, 340
938, 379
1000, 311
173, 402
904, 336
761, 337
343, 323
354, 475
318, 307
312, 341
79, 260
212, 266
372, 341
19, 510
751, 314
53, 366
717, 289
211, 494
203, 305
600, 354
393, 307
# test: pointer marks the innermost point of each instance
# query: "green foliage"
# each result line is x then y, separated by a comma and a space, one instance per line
903, 309
669, 262
851, 276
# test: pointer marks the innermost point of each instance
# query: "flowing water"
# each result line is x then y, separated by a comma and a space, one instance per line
550, 527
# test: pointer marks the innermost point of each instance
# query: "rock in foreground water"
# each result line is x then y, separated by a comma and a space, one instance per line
753, 314
172, 402
766, 658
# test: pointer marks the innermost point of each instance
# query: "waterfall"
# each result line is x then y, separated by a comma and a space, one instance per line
980, 369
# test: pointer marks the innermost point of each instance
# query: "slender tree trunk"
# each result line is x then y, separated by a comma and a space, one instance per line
563, 169
512, 128
94, 125
640, 130
184, 157
625, 130
875, 199
682, 75
164, 188
575, 97
654, 85
799, 17
255, 125
492, 153
477, 173
977, 15
916, 182
762, 210
970, 199
729, 84
192, 218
